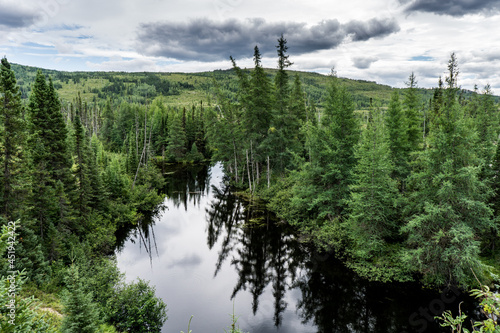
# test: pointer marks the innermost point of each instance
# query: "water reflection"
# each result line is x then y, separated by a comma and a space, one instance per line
266, 252
278, 283
186, 185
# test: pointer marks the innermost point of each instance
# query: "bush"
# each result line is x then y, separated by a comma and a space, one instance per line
135, 308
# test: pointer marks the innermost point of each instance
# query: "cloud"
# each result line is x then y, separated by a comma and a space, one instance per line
373, 28
126, 65
363, 62
188, 260
452, 7
206, 40
15, 16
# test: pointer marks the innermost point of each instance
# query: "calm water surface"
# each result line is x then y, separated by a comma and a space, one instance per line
210, 250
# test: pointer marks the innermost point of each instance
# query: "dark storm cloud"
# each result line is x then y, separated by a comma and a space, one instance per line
452, 7
373, 28
206, 40
16, 17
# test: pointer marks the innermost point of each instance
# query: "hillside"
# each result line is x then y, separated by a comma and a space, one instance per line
185, 89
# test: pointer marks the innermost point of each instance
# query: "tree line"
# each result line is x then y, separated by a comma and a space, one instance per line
69, 192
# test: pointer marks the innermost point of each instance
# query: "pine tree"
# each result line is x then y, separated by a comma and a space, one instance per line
340, 131
85, 181
411, 104
132, 158
282, 141
449, 200
398, 140
298, 115
59, 157
176, 142
281, 78
259, 112
12, 157
436, 105
322, 185
372, 220
81, 315
488, 124
49, 158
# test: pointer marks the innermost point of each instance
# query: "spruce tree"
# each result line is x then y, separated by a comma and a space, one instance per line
398, 140
449, 201
81, 315
281, 78
176, 141
86, 179
411, 106
258, 115
49, 157
12, 145
339, 134
322, 185
372, 221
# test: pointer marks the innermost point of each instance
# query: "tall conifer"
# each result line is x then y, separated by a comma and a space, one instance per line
12, 145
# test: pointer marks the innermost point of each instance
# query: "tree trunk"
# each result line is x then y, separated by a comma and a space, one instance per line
248, 169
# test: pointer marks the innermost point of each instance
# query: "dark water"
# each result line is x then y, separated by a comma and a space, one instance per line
210, 250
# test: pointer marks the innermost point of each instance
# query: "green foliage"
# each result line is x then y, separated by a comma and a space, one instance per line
398, 140
176, 141
80, 314
372, 222
412, 109
12, 144
18, 314
135, 308
449, 202
490, 305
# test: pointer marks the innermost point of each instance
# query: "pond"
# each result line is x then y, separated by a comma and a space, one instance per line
210, 252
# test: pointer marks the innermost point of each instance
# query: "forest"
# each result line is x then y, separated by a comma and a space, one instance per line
401, 184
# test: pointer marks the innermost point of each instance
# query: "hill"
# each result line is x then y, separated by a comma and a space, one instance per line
186, 89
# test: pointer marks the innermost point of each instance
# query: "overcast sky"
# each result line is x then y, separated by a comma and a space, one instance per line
376, 40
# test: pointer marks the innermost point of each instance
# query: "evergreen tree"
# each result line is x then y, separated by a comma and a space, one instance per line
258, 115
49, 158
282, 138
281, 78
488, 125
372, 219
132, 158
12, 157
81, 314
398, 140
87, 182
339, 134
320, 189
436, 105
176, 142
298, 116
411, 104
449, 200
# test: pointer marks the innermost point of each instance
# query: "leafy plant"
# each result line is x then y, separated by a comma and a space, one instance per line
490, 304
135, 308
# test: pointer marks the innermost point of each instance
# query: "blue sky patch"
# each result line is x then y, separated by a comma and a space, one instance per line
422, 58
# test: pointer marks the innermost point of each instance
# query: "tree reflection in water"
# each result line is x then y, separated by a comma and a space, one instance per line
269, 259
266, 252
183, 185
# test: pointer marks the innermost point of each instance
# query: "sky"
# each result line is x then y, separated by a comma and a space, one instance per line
375, 40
